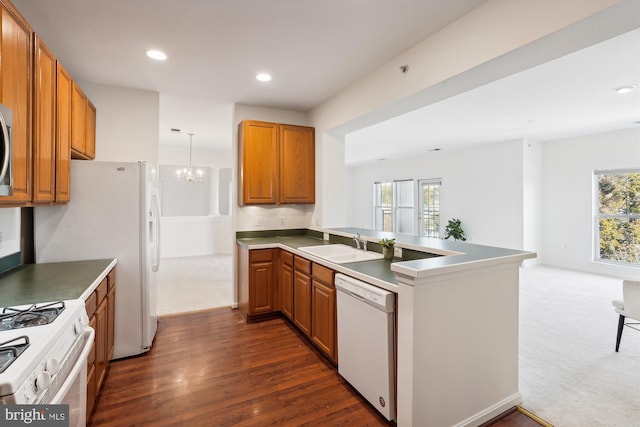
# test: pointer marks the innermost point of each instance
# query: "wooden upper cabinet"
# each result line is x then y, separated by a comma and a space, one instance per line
258, 162
15, 93
90, 130
44, 124
78, 119
63, 135
276, 163
297, 164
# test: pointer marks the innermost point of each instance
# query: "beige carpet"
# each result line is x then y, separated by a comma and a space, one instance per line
194, 283
570, 374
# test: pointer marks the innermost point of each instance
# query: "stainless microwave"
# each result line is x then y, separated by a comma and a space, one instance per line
6, 172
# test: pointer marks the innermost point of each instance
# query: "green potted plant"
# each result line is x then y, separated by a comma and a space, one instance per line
454, 229
387, 247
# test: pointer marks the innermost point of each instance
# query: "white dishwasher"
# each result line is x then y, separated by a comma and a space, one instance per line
366, 343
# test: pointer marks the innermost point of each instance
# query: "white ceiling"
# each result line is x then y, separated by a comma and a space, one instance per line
570, 96
314, 49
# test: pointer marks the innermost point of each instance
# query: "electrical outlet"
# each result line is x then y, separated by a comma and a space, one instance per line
259, 220
325, 236
397, 252
0, 239
281, 220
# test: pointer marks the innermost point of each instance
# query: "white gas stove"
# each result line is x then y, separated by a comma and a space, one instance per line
41, 348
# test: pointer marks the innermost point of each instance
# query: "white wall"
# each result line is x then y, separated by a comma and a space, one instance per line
126, 123
497, 39
266, 217
532, 199
214, 158
196, 236
9, 231
568, 196
481, 186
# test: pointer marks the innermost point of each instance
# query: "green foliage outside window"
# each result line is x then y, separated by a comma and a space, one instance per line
619, 217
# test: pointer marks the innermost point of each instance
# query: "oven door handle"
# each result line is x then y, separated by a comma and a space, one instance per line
81, 363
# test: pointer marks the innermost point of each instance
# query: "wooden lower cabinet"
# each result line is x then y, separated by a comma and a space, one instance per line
101, 343
111, 315
272, 281
286, 284
302, 294
257, 279
323, 309
100, 307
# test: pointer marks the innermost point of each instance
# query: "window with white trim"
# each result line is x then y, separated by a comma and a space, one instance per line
617, 216
429, 214
394, 206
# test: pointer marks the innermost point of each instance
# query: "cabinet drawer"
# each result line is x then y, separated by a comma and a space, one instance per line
258, 255
302, 265
101, 291
90, 304
287, 258
323, 274
111, 278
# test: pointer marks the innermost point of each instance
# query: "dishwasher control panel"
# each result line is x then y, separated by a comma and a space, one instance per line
373, 295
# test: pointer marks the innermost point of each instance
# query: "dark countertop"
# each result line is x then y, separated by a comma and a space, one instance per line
377, 272
36, 283
455, 255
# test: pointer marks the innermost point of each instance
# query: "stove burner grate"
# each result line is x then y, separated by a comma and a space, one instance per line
34, 315
10, 350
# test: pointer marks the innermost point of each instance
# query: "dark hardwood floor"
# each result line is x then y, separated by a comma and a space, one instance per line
210, 368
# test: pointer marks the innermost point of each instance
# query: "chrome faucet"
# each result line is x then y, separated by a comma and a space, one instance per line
357, 239
360, 241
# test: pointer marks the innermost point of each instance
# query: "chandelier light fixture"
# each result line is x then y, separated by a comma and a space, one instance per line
189, 174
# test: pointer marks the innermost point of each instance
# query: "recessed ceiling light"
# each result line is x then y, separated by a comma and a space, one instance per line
625, 89
156, 54
263, 77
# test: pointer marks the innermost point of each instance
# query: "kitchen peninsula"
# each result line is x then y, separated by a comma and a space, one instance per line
457, 313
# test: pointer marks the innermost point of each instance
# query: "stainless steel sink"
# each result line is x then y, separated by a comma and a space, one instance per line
340, 254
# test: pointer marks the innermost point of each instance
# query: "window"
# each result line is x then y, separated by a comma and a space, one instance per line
617, 216
429, 217
394, 206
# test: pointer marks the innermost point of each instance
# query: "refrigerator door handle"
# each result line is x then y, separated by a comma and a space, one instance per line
155, 224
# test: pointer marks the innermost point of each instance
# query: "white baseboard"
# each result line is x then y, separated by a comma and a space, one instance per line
492, 411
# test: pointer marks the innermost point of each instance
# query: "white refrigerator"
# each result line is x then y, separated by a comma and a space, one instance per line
113, 213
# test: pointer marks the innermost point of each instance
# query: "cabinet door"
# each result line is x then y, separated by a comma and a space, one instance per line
258, 161
101, 343
261, 271
44, 138
91, 372
111, 318
63, 134
90, 131
302, 301
78, 119
297, 164
15, 93
323, 323
286, 287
